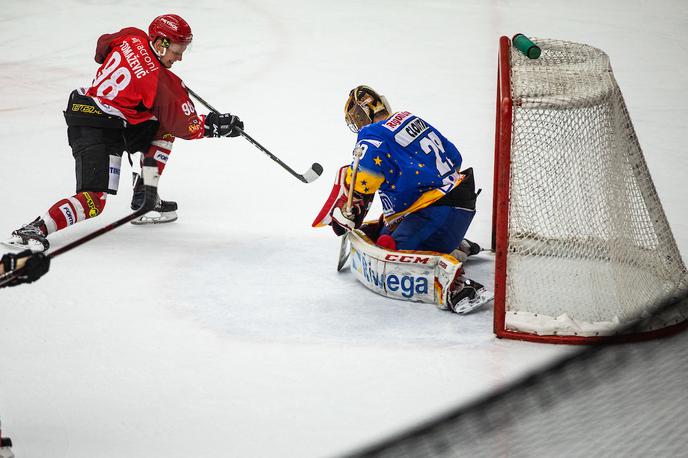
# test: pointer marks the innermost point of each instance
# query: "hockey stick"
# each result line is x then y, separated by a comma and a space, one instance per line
309, 176
345, 248
8, 277
150, 184
344, 251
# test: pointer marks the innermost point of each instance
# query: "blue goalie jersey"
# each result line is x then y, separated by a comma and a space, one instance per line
408, 161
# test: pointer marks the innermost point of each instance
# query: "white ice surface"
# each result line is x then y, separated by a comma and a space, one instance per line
229, 332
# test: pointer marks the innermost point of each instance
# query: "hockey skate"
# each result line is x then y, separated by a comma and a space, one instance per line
467, 295
466, 249
165, 211
31, 236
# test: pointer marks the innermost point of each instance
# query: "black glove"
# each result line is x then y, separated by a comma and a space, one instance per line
35, 267
222, 125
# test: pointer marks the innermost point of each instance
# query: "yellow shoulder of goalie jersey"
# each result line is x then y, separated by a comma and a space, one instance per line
367, 182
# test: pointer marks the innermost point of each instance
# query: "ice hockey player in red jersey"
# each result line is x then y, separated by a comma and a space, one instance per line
134, 104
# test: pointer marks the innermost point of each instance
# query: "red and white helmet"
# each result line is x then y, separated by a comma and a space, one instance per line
172, 27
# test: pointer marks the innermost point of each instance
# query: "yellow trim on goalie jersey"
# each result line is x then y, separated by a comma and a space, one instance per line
366, 182
425, 200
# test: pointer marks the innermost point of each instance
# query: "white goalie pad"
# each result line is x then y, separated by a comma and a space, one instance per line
420, 276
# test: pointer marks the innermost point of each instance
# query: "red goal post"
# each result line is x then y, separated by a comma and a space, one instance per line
582, 243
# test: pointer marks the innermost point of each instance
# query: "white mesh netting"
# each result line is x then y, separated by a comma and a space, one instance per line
589, 244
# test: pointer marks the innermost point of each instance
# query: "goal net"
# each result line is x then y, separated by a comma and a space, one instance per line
582, 242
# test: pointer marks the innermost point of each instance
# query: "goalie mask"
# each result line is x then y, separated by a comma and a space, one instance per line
362, 106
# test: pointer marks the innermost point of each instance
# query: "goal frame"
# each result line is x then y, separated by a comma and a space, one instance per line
500, 221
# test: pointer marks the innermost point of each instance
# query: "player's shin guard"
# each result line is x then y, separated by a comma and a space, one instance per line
81, 206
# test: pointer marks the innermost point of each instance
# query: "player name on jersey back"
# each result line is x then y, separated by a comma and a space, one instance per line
411, 131
413, 127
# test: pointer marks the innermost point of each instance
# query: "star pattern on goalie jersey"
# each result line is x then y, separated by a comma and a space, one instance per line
410, 166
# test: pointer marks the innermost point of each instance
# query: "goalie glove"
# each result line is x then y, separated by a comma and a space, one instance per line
343, 220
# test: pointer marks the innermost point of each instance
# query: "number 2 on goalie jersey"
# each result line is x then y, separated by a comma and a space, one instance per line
431, 143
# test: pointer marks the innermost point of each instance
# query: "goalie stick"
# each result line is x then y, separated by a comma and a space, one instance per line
344, 251
345, 248
150, 183
309, 176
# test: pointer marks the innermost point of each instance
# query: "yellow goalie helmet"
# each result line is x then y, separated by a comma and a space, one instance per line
362, 106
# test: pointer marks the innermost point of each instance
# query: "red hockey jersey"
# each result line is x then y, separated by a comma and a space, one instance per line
132, 84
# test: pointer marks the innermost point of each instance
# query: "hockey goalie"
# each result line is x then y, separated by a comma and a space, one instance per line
416, 250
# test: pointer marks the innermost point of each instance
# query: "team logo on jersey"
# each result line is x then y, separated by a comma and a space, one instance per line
194, 127
397, 120
412, 131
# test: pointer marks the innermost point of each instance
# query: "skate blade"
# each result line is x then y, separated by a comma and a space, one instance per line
35, 247
467, 305
155, 218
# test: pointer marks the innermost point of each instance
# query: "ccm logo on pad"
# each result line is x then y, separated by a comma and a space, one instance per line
411, 259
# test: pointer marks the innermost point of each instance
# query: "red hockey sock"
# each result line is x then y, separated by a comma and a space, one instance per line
79, 207
159, 150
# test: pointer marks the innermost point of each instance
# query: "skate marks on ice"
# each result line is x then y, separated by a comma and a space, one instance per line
263, 293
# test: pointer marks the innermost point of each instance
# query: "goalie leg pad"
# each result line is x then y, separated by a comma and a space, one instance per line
405, 275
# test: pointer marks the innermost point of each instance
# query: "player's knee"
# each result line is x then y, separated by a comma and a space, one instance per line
387, 242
